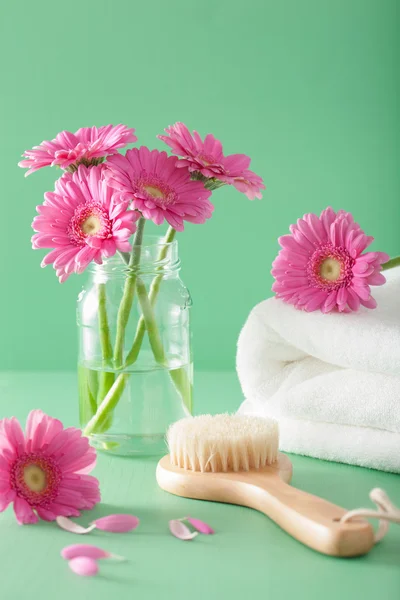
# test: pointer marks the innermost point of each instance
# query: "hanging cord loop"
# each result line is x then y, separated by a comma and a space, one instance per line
387, 512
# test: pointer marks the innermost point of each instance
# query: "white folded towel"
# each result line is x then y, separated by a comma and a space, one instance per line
332, 381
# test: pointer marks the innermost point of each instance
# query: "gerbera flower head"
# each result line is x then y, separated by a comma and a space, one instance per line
206, 159
82, 221
44, 472
158, 188
88, 146
322, 264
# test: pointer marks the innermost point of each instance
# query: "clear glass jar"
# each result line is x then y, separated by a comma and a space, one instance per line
135, 366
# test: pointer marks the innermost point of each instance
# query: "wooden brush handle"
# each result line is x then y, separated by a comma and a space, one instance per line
311, 520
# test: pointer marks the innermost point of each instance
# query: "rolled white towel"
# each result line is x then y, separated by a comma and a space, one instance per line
332, 381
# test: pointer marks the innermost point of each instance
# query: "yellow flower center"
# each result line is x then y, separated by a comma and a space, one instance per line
91, 225
154, 191
330, 269
35, 478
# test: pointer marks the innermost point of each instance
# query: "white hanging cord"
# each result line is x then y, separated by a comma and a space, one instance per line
387, 512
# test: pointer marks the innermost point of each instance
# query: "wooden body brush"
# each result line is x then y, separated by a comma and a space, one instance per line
235, 459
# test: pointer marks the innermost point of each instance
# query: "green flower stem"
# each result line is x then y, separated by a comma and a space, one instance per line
109, 386
153, 293
393, 262
105, 340
178, 376
92, 386
87, 394
127, 298
150, 323
106, 378
99, 421
183, 385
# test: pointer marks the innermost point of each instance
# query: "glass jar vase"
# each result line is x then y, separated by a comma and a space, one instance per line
135, 367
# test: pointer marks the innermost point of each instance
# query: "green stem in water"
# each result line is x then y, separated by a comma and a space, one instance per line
183, 385
105, 339
106, 378
150, 323
98, 422
393, 262
178, 376
127, 298
153, 293
87, 384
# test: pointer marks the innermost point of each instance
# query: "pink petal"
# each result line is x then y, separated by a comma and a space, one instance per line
86, 550
342, 297
60, 510
24, 513
11, 429
383, 257
4, 464
369, 302
287, 241
353, 300
45, 514
180, 531
361, 290
315, 301
83, 565
376, 279
330, 302
361, 266
6, 498
200, 526
359, 243
73, 527
327, 218
117, 523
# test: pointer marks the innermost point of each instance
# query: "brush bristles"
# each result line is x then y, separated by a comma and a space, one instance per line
223, 443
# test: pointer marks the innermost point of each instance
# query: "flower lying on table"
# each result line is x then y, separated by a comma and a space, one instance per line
44, 472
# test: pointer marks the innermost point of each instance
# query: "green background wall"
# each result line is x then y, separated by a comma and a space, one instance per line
308, 88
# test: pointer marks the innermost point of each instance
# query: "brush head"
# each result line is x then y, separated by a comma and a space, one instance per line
222, 443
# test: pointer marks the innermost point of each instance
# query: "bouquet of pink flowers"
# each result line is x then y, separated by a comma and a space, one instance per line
100, 206
102, 201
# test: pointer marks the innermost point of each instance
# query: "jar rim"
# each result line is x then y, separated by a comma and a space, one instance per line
150, 250
152, 239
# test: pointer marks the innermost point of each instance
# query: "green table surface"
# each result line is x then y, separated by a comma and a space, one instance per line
249, 557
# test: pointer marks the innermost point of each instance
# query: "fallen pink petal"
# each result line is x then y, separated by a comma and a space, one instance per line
72, 527
84, 566
181, 531
117, 523
200, 526
86, 550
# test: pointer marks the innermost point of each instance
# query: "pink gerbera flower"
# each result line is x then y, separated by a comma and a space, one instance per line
207, 159
45, 472
322, 264
82, 220
158, 188
88, 145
